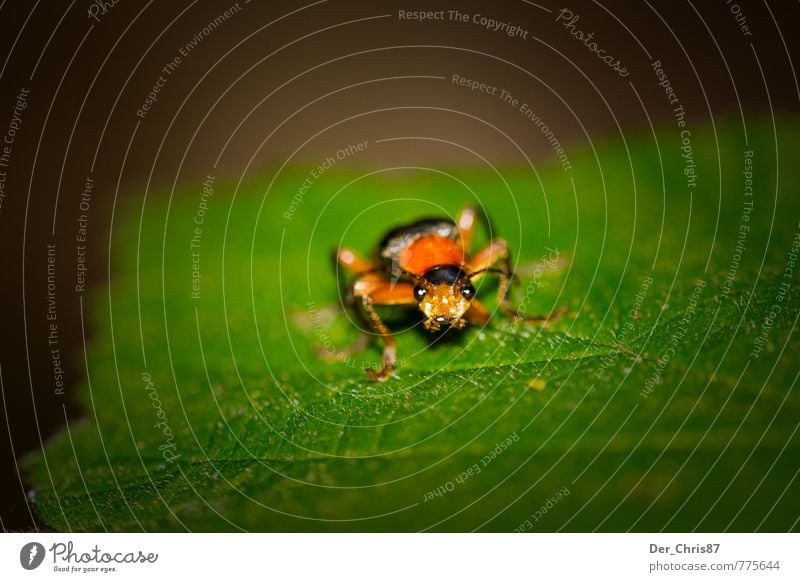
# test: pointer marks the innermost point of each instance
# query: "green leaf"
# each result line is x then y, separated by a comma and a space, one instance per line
645, 409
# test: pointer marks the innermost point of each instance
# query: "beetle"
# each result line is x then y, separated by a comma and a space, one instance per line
428, 264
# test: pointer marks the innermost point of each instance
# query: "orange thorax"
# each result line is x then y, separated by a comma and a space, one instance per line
429, 251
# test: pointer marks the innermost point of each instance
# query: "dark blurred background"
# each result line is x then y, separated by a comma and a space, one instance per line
262, 83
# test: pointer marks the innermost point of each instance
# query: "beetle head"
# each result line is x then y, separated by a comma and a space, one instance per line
444, 294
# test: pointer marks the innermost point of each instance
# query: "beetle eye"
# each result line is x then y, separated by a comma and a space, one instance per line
419, 292
468, 291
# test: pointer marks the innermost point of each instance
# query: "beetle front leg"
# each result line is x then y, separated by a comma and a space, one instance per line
389, 358
356, 347
477, 314
497, 253
484, 262
384, 293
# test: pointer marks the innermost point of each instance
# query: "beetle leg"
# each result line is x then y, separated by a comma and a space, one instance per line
393, 294
360, 287
485, 260
366, 283
356, 347
353, 262
477, 313
467, 221
493, 253
372, 293
488, 256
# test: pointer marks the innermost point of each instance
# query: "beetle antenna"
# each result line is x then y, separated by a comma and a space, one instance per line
488, 270
399, 274
412, 276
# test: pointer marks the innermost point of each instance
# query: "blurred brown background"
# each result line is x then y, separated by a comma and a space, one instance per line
260, 83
